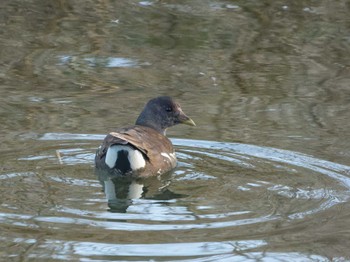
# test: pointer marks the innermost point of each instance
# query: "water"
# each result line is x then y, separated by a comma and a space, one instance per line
264, 176
226, 201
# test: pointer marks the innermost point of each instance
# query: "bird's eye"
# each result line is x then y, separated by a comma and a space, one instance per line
168, 109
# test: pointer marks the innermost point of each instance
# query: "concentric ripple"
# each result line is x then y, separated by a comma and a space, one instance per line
224, 201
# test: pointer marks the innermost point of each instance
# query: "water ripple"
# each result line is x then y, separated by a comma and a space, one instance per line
225, 201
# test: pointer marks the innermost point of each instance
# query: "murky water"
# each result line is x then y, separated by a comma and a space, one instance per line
226, 201
264, 176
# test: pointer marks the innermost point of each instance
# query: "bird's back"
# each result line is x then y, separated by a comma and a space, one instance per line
136, 150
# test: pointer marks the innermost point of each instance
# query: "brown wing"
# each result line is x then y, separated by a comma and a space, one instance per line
147, 140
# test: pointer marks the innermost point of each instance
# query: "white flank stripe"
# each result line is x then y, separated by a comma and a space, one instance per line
170, 156
135, 157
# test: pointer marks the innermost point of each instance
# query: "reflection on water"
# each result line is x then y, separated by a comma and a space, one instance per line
98, 62
263, 192
120, 191
269, 75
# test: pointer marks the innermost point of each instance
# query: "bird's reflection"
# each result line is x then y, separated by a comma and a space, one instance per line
121, 191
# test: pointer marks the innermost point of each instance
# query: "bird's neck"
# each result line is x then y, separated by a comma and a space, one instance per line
143, 120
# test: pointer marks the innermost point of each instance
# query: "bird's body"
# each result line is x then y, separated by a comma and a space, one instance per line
143, 149
135, 150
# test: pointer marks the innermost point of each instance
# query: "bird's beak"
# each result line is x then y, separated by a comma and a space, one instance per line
183, 119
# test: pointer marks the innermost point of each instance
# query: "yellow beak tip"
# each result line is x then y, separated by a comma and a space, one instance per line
189, 122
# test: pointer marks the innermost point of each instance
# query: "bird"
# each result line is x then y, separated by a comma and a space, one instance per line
142, 149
